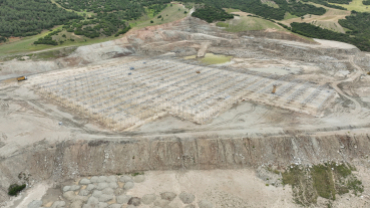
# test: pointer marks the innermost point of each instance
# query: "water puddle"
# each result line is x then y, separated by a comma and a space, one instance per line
211, 58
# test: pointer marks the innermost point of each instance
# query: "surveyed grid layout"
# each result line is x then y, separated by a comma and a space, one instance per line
129, 95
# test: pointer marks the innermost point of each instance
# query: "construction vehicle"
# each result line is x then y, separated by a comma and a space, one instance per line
21, 78
274, 89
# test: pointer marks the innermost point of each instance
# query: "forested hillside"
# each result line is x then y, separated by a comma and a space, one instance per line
29, 17
211, 14
106, 18
111, 15
128, 9
325, 3
316, 32
256, 7
22, 18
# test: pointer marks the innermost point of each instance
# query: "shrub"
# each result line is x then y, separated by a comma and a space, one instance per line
14, 189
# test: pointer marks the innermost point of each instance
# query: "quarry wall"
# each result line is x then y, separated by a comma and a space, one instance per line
71, 159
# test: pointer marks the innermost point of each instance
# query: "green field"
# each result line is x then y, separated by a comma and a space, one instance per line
247, 23
169, 14
229, 10
355, 5
270, 3
289, 16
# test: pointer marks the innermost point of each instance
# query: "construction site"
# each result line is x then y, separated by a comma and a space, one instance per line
187, 115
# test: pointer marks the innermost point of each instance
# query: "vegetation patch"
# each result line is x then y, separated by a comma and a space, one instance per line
248, 23
222, 24
366, 2
48, 40
325, 180
137, 173
289, 16
211, 14
14, 189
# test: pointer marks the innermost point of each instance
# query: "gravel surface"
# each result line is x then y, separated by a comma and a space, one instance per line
105, 197
148, 198
115, 206
123, 199
111, 179
84, 192
168, 196
161, 203
109, 191
85, 181
35, 204
113, 185
102, 186
205, 204
58, 204
94, 179
125, 179
139, 179
186, 198
75, 188
136, 201
128, 185
66, 188
90, 187
102, 179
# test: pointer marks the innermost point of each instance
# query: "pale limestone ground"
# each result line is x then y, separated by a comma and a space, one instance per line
224, 188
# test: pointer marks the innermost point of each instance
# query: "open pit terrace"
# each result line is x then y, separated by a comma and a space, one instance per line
126, 96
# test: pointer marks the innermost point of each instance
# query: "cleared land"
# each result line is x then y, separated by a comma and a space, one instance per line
246, 23
198, 94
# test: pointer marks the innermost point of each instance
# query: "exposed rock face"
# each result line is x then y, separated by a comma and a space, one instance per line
88, 157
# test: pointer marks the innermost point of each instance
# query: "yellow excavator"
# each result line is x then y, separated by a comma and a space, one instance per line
22, 78
274, 89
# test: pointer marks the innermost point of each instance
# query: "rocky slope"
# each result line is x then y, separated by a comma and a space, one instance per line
71, 159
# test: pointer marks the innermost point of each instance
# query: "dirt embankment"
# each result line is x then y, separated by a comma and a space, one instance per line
71, 159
